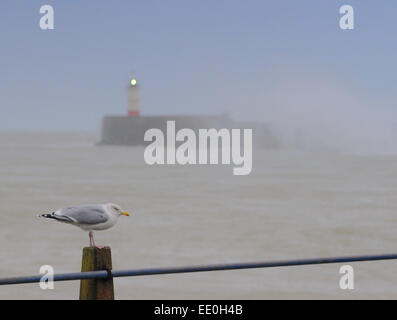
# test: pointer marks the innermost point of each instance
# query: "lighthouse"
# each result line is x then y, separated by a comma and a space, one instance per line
133, 98
131, 129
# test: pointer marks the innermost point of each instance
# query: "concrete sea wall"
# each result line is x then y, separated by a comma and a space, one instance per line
123, 130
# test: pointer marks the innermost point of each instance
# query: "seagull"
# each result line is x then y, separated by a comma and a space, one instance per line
89, 217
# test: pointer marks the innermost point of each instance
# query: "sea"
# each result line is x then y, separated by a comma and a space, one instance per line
295, 204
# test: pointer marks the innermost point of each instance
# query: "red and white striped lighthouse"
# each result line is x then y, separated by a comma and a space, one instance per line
133, 98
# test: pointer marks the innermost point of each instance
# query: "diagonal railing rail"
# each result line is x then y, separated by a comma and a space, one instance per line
104, 274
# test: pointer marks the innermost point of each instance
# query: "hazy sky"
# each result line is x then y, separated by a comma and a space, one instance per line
196, 56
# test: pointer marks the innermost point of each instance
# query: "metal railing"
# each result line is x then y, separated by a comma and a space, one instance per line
106, 274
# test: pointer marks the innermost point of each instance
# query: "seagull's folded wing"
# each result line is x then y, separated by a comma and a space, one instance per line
85, 214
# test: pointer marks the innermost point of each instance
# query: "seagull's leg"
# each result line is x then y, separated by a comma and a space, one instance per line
92, 243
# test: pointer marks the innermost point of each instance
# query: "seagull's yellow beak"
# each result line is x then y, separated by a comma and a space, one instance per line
125, 213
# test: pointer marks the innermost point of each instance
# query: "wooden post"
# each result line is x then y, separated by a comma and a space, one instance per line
95, 259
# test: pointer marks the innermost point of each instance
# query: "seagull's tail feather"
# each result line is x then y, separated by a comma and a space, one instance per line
55, 217
47, 215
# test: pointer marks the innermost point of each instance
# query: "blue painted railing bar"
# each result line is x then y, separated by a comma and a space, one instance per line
201, 268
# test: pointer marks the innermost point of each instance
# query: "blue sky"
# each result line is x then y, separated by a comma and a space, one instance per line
196, 56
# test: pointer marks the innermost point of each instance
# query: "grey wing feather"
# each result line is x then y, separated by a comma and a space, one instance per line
85, 214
